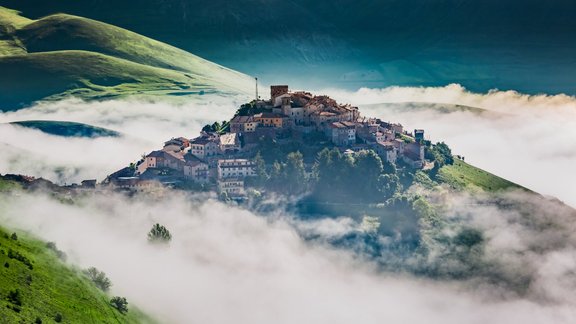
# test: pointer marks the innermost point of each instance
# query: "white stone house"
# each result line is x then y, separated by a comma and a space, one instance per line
233, 187
235, 168
203, 147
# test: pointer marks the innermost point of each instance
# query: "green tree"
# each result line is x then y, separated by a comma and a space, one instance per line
388, 185
159, 234
120, 303
261, 174
98, 278
442, 155
364, 182
294, 173
14, 237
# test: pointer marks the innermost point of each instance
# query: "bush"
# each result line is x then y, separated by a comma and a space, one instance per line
61, 255
38, 320
58, 318
159, 234
14, 237
17, 256
98, 278
15, 297
120, 304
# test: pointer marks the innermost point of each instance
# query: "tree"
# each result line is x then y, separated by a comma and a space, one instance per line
98, 278
442, 156
120, 303
261, 175
294, 173
14, 237
388, 185
159, 234
364, 181
58, 318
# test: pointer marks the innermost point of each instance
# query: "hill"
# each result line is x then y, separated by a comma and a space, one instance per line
63, 55
36, 284
516, 44
464, 176
67, 129
436, 107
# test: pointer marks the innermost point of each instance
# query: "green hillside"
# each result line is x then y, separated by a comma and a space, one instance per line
47, 287
462, 175
67, 129
62, 55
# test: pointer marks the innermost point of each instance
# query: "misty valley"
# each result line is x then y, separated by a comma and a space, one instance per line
287, 162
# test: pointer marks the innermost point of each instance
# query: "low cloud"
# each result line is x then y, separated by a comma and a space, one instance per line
531, 140
144, 126
227, 265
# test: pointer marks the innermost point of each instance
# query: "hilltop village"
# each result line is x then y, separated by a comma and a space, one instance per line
222, 157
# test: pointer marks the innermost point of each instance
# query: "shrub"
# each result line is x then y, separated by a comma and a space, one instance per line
14, 237
120, 304
58, 318
15, 297
17, 256
159, 234
98, 278
38, 320
52, 246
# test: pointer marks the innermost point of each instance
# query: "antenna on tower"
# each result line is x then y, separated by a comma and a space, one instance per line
256, 88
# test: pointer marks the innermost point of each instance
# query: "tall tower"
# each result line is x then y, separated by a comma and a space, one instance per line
256, 78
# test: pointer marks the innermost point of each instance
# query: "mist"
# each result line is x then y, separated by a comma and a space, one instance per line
527, 139
228, 265
144, 126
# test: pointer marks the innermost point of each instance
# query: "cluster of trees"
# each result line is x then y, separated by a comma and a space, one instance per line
219, 128
248, 109
120, 303
362, 177
159, 234
98, 278
335, 176
441, 154
60, 254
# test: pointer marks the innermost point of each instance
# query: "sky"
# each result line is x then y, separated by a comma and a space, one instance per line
229, 265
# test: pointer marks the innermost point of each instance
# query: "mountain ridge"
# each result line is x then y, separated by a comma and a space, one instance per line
63, 55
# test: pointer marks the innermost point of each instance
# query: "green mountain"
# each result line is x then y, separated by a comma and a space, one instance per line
36, 286
63, 55
525, 45
67, 129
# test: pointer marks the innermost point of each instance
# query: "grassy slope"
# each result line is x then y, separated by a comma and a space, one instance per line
462, 175
7, 186
67, 129
54, 288
86, 74
63, 55
10, 20
67, 32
